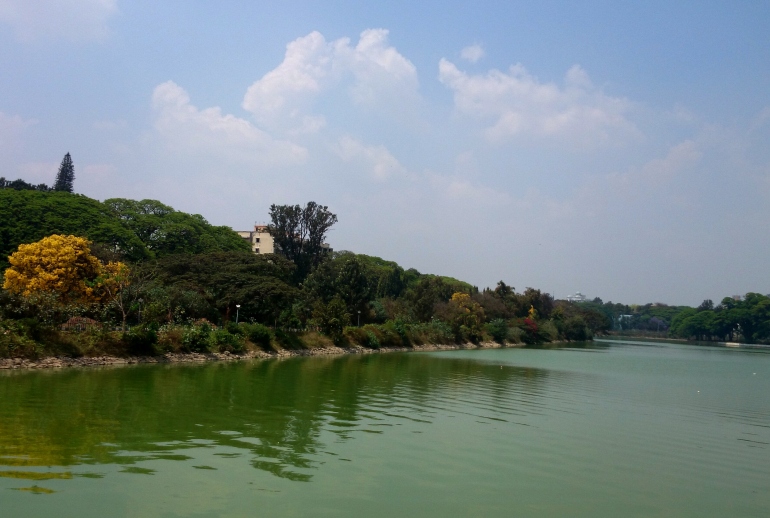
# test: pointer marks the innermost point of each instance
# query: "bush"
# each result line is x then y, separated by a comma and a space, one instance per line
548, 331
223, 340
289, 340
574, 328
258, 335
14, 343
363, 336
234, 329
514, 335
196, 338
170, 338
141, 340
498, 329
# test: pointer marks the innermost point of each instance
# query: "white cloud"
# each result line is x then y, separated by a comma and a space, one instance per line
73, 20
312, 65
188, 129
516, 104
377, 160
472, 53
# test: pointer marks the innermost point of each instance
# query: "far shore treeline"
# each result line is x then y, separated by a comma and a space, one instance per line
83, 277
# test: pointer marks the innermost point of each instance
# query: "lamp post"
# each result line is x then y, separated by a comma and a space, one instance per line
359, 318
237, 311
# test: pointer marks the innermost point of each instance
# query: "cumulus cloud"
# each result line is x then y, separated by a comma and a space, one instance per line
377, 72
377, 160
188, 129
472, 53
74, 20
516, 104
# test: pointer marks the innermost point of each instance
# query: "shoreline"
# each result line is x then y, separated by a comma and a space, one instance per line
63, 362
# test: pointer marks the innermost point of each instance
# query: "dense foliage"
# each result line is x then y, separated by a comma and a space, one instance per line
745, 319
169, 281
152, 280
299, 234
122, 229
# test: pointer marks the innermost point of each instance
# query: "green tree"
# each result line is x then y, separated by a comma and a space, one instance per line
425, 294
331, 318
165, 231
65, 178
299, 234
211, 285
27, 216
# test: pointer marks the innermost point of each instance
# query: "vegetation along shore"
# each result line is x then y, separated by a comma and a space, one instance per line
125, 279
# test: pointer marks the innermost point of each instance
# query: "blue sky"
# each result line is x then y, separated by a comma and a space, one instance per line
616, 148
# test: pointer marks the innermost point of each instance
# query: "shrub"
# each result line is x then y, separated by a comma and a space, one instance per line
363, 336
170, 338
514, 335
258, 335
548, 331
196, 338
371, 341
355, 335
288, 340
498, 329
575, 328
141, 340
234, 329
223, 340
14, 343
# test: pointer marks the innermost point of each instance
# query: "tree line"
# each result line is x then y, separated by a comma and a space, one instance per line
64, 182
169, 281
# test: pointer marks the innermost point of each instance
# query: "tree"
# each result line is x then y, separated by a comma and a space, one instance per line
299, 234
464, 315
210, 285
165, 231
331, 318
56, 264
65, 178
113, 283
27, 216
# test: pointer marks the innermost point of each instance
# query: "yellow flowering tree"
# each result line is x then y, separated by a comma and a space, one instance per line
57, 264
464, 315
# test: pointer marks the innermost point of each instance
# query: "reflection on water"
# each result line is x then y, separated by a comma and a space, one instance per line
271, 411
631, 429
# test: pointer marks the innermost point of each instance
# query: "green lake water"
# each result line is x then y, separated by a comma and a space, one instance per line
632, 429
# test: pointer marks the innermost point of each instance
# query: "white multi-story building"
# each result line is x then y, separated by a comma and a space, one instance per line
577, 297
262, 242
260, 239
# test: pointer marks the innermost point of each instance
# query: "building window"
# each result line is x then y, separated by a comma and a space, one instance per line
256, 240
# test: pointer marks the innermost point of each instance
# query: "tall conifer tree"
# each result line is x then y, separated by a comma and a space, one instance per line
65, 178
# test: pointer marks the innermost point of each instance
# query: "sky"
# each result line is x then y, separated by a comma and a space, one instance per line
615, 148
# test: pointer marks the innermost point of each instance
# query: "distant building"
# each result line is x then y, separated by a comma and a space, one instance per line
260, 239
577, 297
262, 242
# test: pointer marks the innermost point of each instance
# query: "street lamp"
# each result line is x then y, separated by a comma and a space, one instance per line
359, 318
237, 311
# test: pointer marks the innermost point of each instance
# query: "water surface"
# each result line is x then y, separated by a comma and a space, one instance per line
593, 430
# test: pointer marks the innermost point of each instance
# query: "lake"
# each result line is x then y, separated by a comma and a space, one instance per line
603, 429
